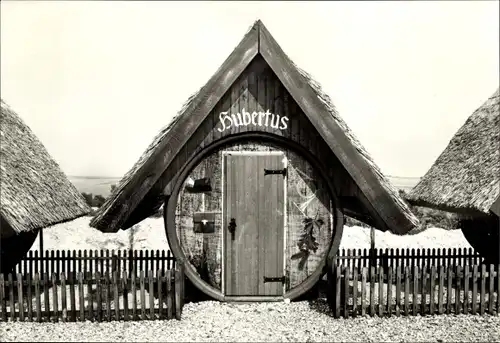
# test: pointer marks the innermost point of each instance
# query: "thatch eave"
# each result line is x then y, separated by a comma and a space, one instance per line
465, 178
34, 191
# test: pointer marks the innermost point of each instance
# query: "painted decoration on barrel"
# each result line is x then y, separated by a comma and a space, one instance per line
308, 219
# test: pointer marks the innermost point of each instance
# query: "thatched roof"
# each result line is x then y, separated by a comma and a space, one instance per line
34, 192
465, 178
120, 209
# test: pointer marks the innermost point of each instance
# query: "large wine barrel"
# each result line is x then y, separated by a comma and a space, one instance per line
483, 235
14, 248
254, 220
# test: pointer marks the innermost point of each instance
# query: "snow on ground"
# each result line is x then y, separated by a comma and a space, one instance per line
77, 234
150, 234
359, 238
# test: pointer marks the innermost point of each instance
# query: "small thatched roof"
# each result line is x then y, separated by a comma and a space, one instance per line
465, 178
140, 192
34, 192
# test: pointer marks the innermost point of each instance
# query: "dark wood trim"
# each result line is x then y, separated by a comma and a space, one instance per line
14, 248
352, 207
186, 125
169, 210
483, 235
495, 207
332, 134
465, 212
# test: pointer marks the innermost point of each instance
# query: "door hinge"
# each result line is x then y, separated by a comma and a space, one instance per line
275, 171
281, 279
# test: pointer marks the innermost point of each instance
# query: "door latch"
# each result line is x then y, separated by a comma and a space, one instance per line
281, 279
275, 171
232, 227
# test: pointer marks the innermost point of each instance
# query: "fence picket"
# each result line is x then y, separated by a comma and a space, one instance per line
482, 296
372, 290
72, 296
491, 289
345, 296
58, 263
98, 288
52, 262
30, 259
441, 289
163, 262
466, 289
29, 297
143, 296
37, 297
116, 295
107, 266
91, 262
125, 295
151, 294
474, 289
169, 293
380, 291
79, 260
64, 308
20, 300
38, 261
407, 289
423, 290
25, 266
107, 282
46, 294
64, 262
119, 264
54, 297
82, 299
389, 289
415, 290
10, 287
458, 284
74, 270
449, 288
432, 288
89, 293
133, 288
398, 288
337, 274
101, 262
159, 277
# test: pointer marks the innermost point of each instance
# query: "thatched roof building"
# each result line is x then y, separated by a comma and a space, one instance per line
465, 178
35, 193
145, 187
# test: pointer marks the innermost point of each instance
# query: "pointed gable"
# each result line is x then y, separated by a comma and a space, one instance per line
258, 78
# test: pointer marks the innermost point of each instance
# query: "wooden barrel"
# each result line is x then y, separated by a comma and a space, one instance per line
254, 221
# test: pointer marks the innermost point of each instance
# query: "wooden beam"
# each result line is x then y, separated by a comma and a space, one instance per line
333, 135
142, 181
465, 212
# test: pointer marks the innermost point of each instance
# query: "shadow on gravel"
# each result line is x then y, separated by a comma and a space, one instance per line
321, 306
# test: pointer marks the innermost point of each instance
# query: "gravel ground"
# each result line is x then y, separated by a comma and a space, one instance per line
269, 322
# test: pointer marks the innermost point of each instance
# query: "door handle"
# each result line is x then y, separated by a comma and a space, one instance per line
232, 228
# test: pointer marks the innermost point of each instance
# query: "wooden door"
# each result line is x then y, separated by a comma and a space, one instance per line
256, 203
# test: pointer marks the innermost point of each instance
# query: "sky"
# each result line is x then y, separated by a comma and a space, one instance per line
96, 81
